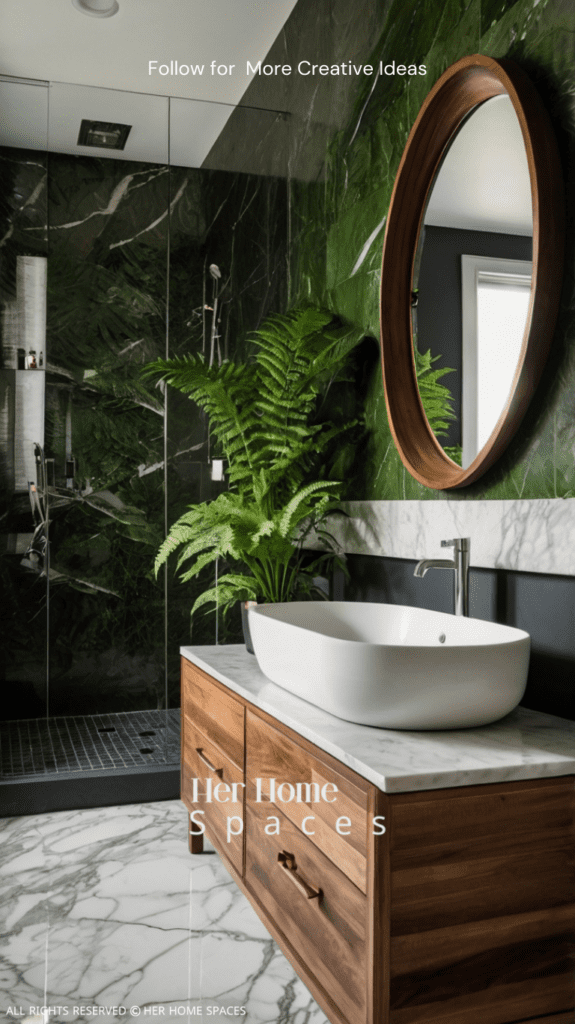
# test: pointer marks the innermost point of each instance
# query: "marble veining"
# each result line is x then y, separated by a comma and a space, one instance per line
534, 535
523, 745
105, 908
331, 224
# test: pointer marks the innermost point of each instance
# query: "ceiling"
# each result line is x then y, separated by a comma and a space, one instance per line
484, 182
98, 68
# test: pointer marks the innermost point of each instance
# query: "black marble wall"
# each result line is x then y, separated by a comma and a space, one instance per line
130, 247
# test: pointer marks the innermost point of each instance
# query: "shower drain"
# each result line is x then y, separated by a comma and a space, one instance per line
83, 743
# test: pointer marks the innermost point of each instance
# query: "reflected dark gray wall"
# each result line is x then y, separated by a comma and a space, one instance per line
439, 312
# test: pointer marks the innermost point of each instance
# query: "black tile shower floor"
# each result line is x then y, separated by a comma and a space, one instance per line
43, 747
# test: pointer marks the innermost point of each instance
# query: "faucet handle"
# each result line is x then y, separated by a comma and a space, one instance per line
459, 543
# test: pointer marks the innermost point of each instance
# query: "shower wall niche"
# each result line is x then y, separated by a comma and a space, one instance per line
105, 265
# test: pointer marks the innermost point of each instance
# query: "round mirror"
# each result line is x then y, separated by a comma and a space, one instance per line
471, 271
472, 279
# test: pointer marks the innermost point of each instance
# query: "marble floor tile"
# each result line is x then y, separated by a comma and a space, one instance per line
106, 915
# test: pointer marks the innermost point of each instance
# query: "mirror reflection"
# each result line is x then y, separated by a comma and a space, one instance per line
472, 278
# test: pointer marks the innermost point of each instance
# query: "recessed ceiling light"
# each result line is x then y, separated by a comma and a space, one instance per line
97, 8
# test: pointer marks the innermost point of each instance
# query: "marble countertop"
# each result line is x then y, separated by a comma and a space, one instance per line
523, 745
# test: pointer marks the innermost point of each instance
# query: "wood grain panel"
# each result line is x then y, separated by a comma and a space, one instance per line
483, 903
555, 1018
300, 966
213, 711
489, 1006
482, 811
471, 854
507, 976
425, 951
379, 911
328, 932
272, 754
215, 813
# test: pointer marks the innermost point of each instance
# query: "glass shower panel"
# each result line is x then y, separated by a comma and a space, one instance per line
107, 291
23, 511
105, 258
106, 317
83, 291
104, 432
228, 271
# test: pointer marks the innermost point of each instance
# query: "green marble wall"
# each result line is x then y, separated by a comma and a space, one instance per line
338, 223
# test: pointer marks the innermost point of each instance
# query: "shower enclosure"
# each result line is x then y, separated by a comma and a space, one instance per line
107, 263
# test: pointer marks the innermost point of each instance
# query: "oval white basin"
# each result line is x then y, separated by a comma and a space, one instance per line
391, 665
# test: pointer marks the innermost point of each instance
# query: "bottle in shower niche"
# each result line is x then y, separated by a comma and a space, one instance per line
31, 285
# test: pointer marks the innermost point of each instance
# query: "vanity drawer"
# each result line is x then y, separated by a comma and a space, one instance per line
214, 712
273, 755
328, 931
204, 761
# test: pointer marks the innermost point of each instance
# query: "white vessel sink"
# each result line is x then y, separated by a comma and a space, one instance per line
390, 665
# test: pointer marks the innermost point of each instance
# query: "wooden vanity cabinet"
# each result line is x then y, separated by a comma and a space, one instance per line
212, 748
461, 912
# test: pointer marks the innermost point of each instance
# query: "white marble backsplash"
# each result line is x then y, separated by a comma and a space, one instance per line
535, 535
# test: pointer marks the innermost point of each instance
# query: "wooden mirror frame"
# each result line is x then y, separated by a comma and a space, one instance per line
464, 85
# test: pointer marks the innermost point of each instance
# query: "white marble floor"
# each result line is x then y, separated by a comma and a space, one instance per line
104, 914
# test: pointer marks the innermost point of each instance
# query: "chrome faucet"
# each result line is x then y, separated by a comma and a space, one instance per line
460, 566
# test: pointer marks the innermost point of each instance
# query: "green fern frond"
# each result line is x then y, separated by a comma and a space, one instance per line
299, 507
262, 417
179, 534
206, 558
230, 589
435, 397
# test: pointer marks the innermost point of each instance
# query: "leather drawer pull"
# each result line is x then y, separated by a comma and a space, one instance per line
287, 861
212, 767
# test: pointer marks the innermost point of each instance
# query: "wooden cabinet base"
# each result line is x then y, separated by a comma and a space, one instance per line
322, 998
482, 903
195, 842
460, 911
557, 1018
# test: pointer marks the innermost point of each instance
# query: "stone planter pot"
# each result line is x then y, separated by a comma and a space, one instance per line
245, 624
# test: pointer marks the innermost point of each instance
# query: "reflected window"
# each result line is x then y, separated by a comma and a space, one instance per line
495, 305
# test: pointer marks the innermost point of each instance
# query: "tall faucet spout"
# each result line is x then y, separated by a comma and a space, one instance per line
460, 566
432, 563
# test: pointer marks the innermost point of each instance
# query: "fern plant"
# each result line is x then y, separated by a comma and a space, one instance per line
436, 398
265, 417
